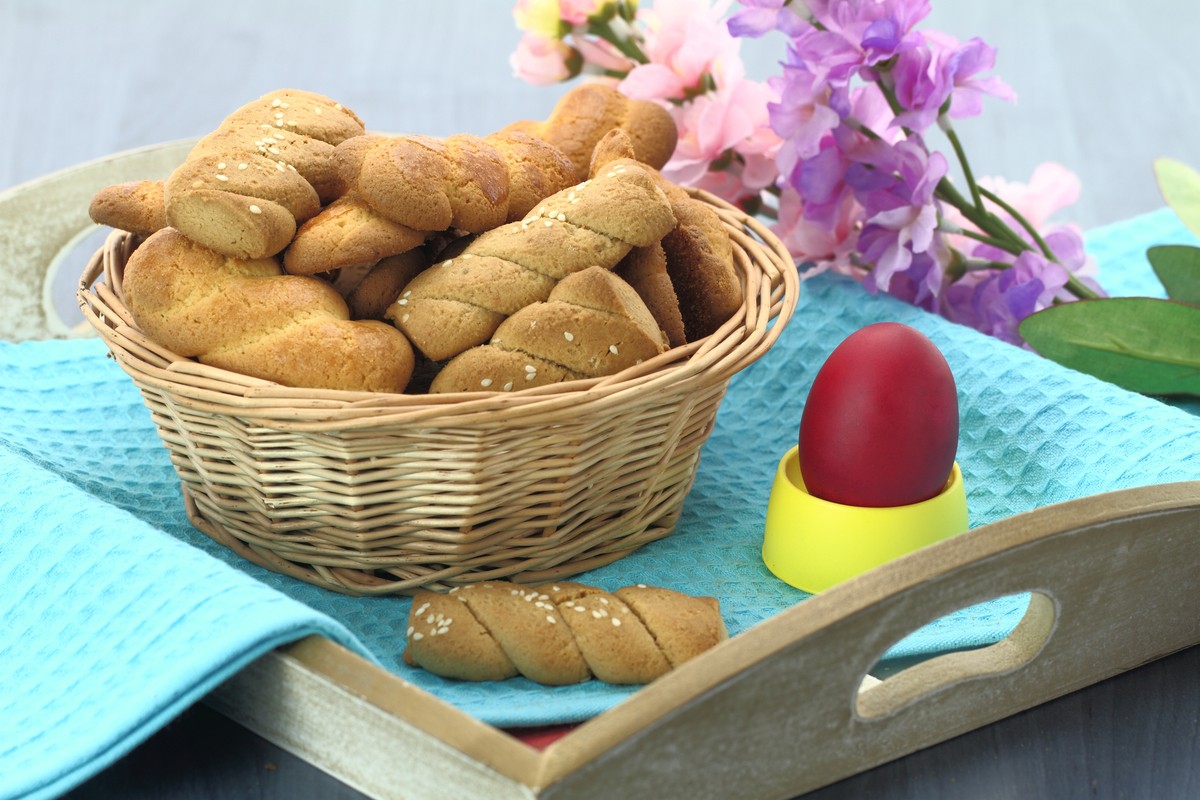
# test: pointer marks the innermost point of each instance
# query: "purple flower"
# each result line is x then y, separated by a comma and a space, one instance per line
939, 71
760, 17
800, 117
995, 301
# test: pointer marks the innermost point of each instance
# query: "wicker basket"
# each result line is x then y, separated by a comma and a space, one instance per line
374, 494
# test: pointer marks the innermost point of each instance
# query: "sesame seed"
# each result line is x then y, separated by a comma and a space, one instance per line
273, 150
255, 209
554, 588
508, 386
562, 217
276, 102
444, 629
641, 586
404, 318
292, 123
531, 369
549, 223
278, 115
278, 135
429, 620
610, 174
598, 613
421, 610
570, 337
604, 600
222, 177
612, 348
283, 105
486, 382
447, 262
616, 622
579, 608
550, 618
514, 592
317, 111
418, 636
279, 122
406, 294
221, 165
281, 166
243, 166
410, 630
403, 301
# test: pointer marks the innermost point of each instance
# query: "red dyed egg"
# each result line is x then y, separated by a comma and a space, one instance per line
880, 426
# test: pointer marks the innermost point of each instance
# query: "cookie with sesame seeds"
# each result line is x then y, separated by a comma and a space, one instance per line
232, 224
623, 202
536, 170
307, 113
698, 250
454, 305
250, 175
347, 233
445, 638
310, 157
371, 296
592, 324
559, 633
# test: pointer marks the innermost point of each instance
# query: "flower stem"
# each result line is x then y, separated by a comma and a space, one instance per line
1024, 223
951, 134
603, 28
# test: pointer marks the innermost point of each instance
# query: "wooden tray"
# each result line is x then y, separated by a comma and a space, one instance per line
781, 709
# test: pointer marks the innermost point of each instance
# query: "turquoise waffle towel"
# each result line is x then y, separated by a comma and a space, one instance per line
117, 614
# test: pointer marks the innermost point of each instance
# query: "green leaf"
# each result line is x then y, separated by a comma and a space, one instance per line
1142, 344
1178, 267
1180, 187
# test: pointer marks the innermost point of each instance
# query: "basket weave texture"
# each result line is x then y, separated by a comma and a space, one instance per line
374, 494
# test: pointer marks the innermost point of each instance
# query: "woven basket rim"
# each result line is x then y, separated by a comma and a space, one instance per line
771, 288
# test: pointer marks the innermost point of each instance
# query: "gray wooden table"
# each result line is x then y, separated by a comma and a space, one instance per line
1105, 87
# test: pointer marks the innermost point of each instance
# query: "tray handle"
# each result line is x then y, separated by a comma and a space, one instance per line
1113, 583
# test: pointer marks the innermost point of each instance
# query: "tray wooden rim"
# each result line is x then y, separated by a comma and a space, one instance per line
915, 584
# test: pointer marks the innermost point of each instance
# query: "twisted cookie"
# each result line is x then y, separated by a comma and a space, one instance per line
590, 110
459, 302
267, 168
697, 253
592, 324
559, 634
245, 315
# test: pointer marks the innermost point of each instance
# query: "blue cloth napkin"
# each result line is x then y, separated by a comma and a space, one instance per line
117, 614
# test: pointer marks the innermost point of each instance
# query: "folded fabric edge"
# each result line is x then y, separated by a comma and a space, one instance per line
124, 742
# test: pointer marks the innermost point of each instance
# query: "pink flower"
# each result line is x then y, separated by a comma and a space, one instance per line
602, 56
714, 126
829, 247
1051, 188
542, 61
685, 41
576, 12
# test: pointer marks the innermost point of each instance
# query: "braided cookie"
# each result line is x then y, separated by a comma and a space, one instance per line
465, 182
587, 112
245, 188
459, 302
559, 634
592, 324
698, 250
245, 315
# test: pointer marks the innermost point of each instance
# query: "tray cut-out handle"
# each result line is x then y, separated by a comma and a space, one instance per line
920, 682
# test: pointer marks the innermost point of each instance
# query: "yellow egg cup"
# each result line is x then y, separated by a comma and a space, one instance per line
812, 544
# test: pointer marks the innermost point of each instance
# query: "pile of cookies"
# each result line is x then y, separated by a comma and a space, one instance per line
295, 246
